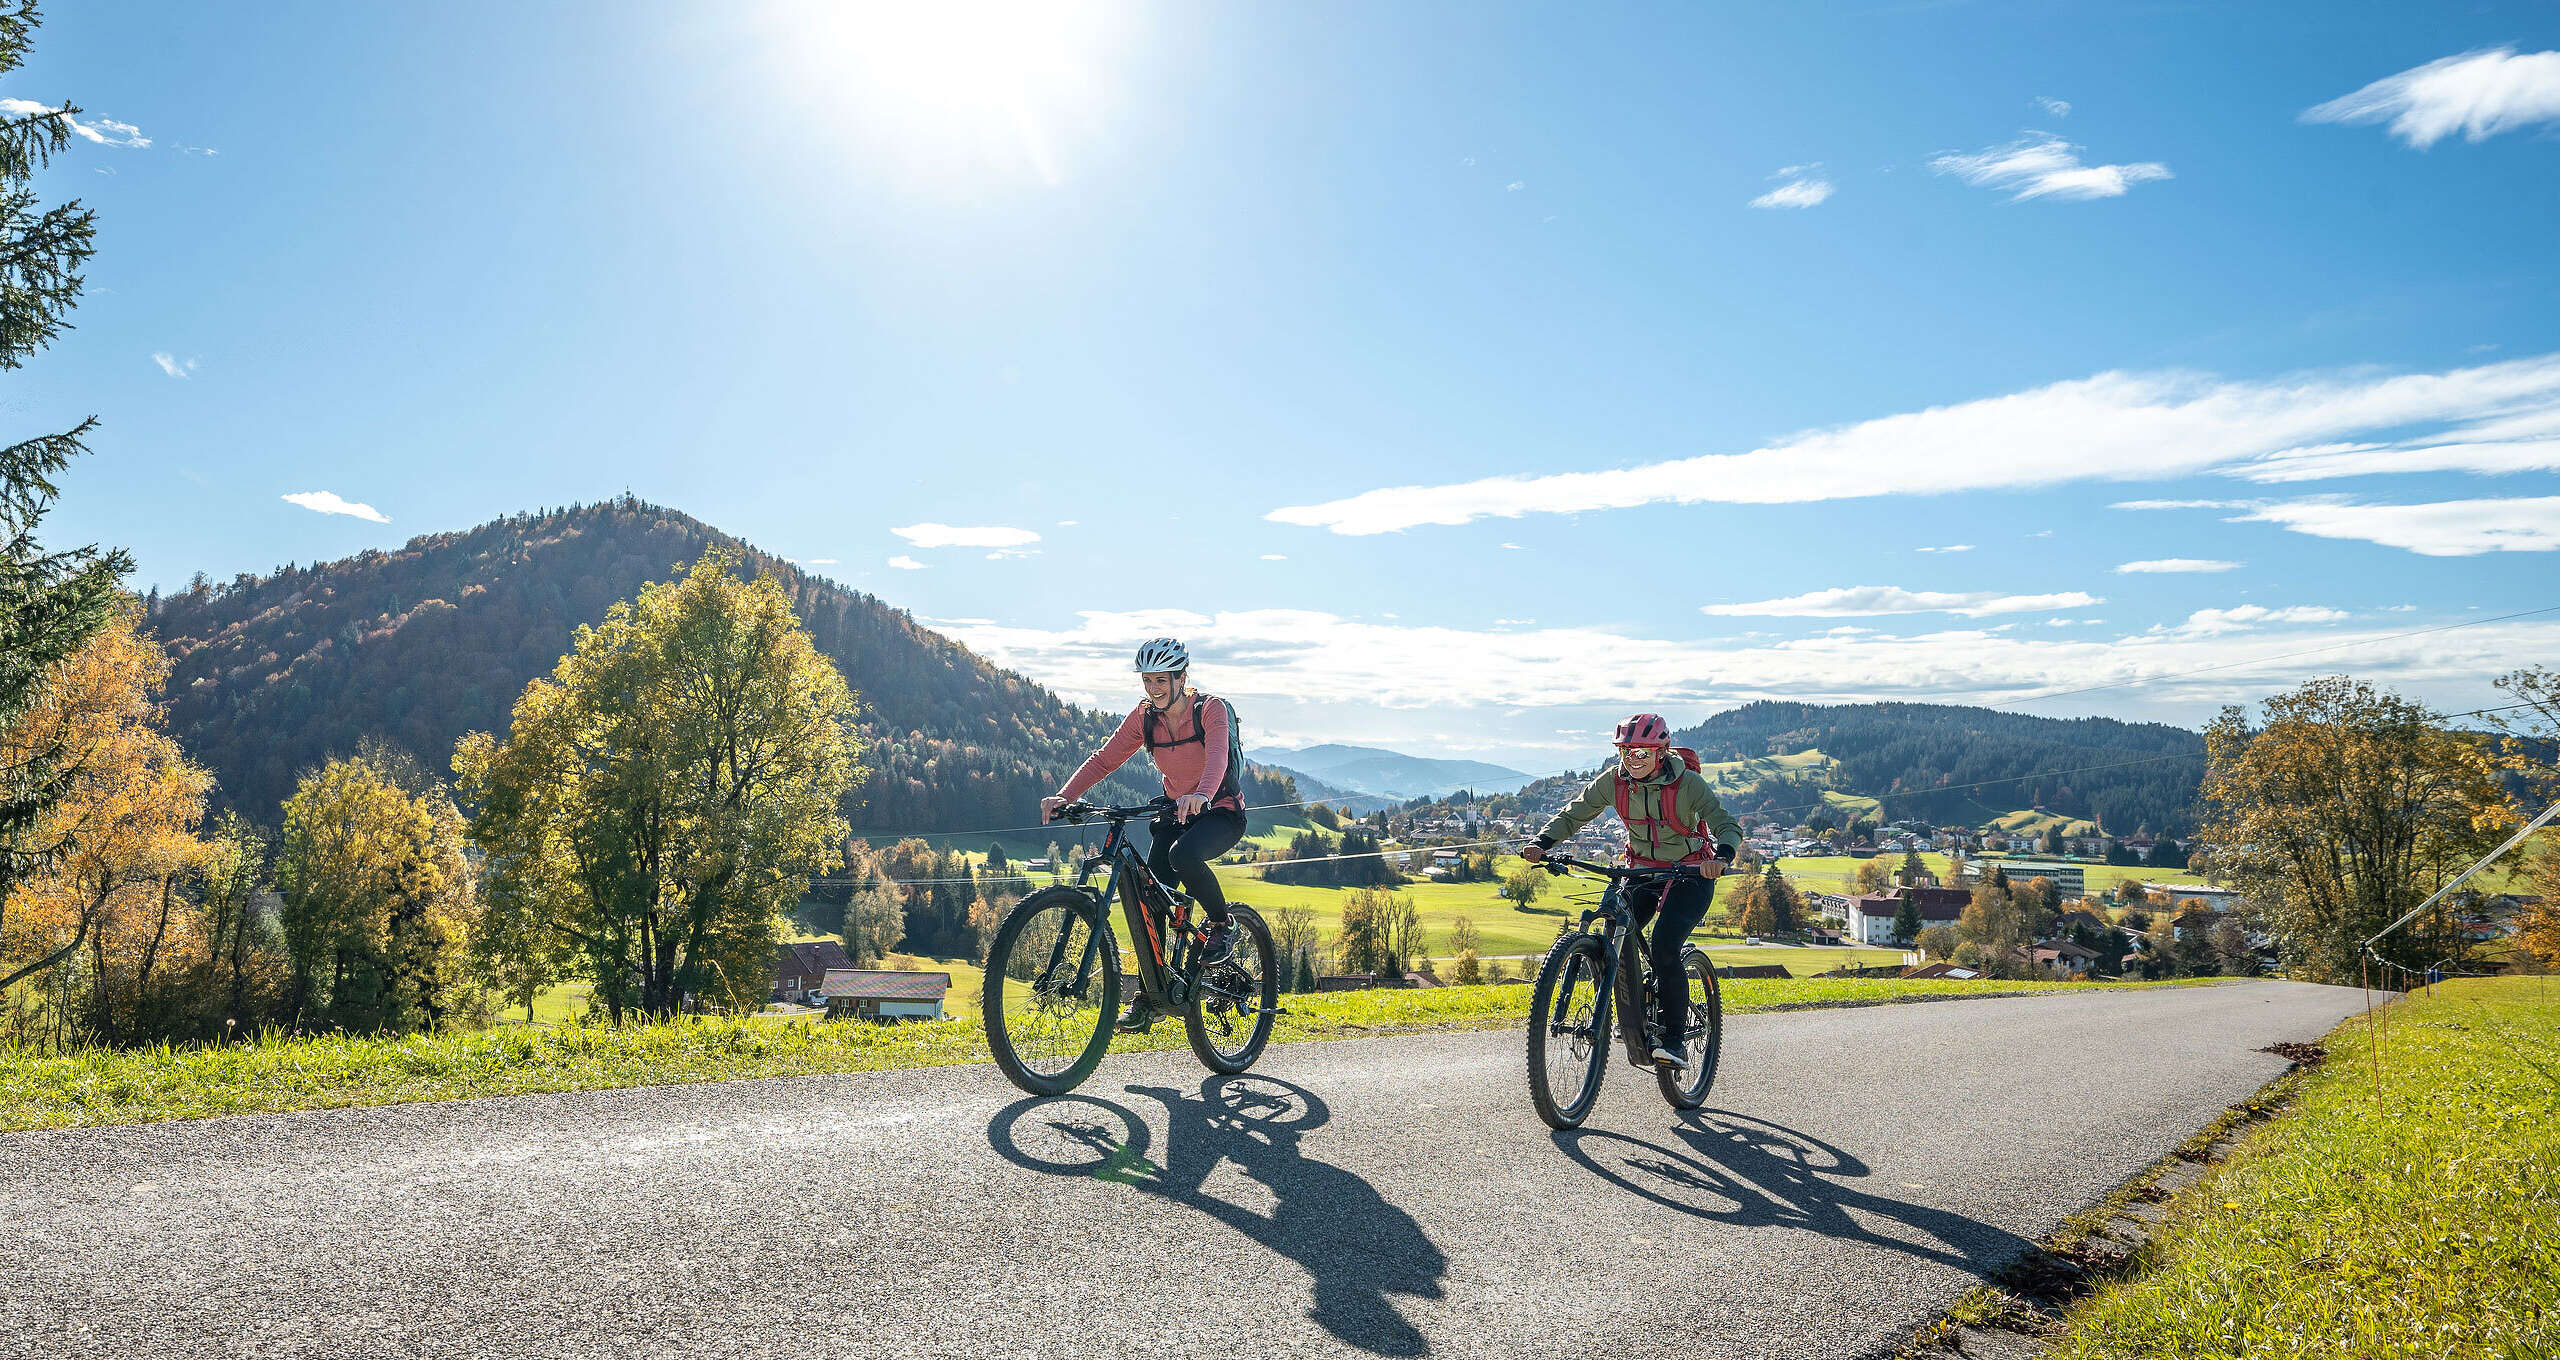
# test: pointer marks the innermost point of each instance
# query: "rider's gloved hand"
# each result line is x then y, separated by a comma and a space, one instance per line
1534, 853
1188, 806
1049, 808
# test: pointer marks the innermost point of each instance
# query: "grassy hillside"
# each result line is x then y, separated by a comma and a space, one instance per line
2405, 1214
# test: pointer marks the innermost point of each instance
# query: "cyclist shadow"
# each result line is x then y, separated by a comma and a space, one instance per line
1750, 1173
1358, 1249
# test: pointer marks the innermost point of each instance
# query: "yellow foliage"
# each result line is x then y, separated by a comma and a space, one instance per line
126, 829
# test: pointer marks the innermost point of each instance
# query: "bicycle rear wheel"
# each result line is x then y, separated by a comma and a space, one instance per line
1053, 980
1229, 1014
1569, 1031
1702, 1041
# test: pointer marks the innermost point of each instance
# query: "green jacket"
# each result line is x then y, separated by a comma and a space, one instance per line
1693, 798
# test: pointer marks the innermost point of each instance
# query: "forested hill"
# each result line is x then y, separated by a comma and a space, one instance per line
420, 645
1917, 757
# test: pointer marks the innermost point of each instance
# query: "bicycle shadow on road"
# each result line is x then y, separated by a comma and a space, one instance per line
1358, 1249
1752, 1173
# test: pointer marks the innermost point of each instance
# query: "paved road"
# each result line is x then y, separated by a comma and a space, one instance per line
1857, 1169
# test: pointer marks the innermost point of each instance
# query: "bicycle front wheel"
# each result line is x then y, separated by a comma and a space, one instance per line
1702, 1039
1052, 982
1229, 1014
1569, 1031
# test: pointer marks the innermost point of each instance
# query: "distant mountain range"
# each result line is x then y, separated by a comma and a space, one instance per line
1392, 774
1963, 766
272, 674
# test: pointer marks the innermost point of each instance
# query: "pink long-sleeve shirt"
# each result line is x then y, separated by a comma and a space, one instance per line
1188, 766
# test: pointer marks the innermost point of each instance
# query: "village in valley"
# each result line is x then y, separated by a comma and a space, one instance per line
2027, 895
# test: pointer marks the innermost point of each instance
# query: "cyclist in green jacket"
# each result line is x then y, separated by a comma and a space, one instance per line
1673, 817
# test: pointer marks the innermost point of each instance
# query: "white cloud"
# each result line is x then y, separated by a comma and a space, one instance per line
905, 563
822, 561
1066, 524
103, 131
1952, 547
1288, 657
1515, 547
331, 503
2176, 564
1515, 186
1802, 193
930, 535
1275, 557
172, 365
2059, 108
2182, 505
1854, 601
2399, 609
2478, 94
2438, 529
2215, 622
2114, 426
2041, 165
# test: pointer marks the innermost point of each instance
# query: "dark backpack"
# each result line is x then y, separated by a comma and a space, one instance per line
1231, 783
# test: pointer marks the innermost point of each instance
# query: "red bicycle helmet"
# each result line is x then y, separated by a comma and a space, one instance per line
1644, 729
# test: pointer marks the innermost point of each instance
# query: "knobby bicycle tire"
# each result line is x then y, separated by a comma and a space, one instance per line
1249, 935
1703, 1040
1576, 968
1016, 996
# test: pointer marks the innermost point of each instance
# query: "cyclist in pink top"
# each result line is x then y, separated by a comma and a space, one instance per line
1197, 749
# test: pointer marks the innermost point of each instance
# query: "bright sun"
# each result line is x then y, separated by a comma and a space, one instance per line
1008, 81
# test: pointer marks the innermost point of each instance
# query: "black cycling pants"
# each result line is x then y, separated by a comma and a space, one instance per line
1689, 899
1183, 851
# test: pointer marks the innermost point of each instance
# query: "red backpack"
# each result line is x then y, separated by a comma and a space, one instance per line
1670, 814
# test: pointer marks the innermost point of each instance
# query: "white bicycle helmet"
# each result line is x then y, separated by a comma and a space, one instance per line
1158, 655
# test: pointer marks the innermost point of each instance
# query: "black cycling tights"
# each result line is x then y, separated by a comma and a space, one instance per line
1690, 898
1176, 850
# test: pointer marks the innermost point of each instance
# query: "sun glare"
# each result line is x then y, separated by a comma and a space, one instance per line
1010, 82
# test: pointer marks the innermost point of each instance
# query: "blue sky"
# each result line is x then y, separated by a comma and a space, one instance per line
1429, 367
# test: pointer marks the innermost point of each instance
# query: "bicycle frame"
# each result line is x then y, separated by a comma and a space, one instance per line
1620, 931
1159, 927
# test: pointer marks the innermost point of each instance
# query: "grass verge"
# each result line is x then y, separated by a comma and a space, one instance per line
2422, 1223
108, 1086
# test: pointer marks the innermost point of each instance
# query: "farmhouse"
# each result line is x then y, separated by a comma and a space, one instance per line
874, 994
801, 967
2061, 958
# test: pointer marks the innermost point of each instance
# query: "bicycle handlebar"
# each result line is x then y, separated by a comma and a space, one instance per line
1077, 812
1558, 864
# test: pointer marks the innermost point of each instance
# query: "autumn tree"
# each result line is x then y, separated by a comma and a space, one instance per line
2538, 923
667, 792
1293, 937
51, 602
1991, 925
1938, 943
1525, 884
119, 828
379, 901
2344, 808
1869, 877
1786, 908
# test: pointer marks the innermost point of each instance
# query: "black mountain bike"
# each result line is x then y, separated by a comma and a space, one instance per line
1587, 972
1053, 969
